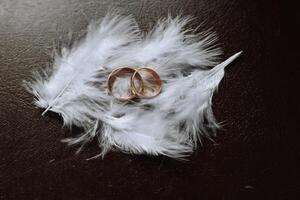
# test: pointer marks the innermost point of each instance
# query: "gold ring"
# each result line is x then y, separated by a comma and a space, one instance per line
150, 83
123, 71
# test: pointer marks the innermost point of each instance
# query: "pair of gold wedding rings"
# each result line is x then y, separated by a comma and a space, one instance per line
142, 82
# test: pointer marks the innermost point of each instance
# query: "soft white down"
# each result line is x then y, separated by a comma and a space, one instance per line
170, 124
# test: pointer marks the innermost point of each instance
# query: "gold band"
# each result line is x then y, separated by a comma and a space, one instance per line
153, 80
123, 71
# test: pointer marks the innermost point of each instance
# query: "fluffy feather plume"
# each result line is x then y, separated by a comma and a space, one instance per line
170, 124
75, 86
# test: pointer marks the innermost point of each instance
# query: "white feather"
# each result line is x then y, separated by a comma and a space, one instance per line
170, 124
76, 81
169, 48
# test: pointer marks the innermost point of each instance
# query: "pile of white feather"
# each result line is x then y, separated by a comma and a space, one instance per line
170, 124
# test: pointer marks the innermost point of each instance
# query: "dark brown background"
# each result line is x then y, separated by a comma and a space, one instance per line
254, 157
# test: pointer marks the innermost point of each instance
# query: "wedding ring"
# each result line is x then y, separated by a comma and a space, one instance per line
123, 72
151, 82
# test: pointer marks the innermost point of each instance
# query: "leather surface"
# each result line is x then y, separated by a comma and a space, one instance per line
253, 157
